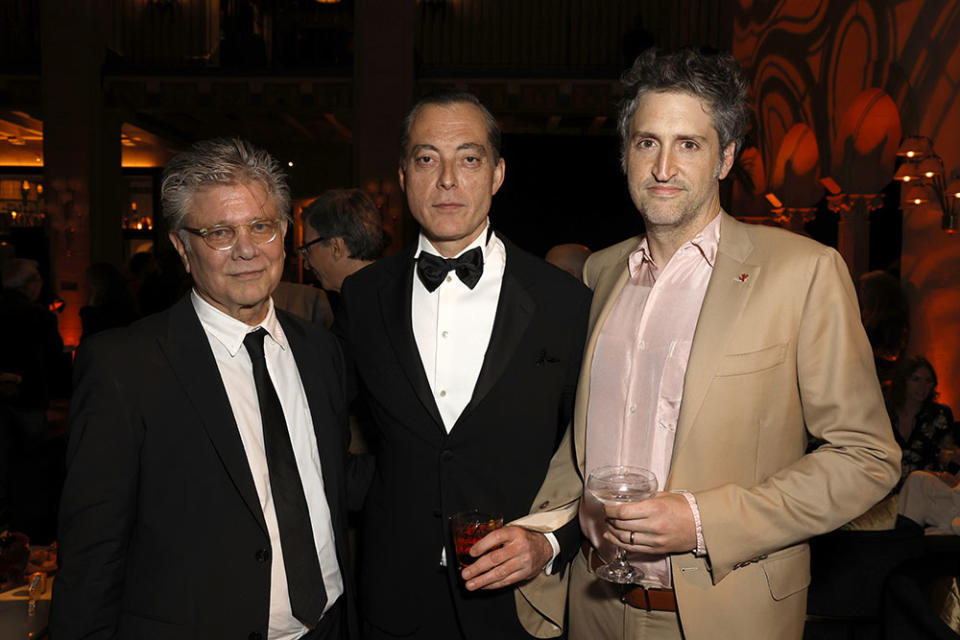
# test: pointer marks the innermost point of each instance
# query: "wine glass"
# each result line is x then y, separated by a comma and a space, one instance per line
619, 485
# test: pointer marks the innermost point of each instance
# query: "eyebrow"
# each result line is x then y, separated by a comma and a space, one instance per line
473, 146
682, 136
466, 146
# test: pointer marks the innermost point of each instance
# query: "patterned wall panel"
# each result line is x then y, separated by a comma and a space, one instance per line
830, 64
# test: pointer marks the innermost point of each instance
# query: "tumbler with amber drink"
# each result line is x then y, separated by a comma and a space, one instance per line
467, 528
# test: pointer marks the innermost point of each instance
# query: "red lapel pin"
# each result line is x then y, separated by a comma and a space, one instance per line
743, 277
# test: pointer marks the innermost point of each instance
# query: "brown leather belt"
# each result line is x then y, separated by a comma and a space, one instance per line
638, 597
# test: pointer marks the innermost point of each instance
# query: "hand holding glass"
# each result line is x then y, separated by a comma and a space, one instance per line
620, 485
468, 527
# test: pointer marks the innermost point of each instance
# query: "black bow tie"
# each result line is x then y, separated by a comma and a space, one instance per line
433, 269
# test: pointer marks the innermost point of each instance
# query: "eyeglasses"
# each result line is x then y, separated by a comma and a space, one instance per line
305, 247
223, 237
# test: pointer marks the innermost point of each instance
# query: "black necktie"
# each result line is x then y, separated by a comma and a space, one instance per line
433, 269
308, 596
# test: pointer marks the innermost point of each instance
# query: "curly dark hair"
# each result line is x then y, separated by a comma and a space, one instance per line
715, 78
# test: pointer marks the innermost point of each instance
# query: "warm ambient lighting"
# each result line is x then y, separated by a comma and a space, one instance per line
908, 171
774, 201
930, 187
914, 146
831, 185
931, 166
919, 194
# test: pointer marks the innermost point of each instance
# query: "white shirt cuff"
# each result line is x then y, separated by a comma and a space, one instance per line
552, 539
701, 549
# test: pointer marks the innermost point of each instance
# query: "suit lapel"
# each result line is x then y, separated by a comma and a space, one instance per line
396, 295
192, 361
515, 309
727, 294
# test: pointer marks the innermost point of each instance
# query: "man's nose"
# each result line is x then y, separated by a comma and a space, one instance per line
447, 178
245, 247
663, 168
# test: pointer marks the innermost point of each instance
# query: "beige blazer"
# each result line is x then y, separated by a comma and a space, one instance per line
779, 356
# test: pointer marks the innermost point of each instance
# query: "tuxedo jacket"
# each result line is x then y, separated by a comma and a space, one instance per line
161, 530
779, 355
494, 458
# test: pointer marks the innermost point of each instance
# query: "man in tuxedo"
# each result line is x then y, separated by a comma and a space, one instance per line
467, 349
716, 351
204, 495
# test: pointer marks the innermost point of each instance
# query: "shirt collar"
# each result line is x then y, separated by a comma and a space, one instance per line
229, 331
481, 240
705, 243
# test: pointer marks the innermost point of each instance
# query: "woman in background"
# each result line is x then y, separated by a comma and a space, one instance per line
923, 428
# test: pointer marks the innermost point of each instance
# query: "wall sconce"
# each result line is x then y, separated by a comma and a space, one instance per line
924, 181
914, 146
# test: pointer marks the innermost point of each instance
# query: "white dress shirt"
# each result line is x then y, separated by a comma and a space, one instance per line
225, 335
452, 326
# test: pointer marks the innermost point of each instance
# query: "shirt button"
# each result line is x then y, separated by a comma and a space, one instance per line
449, 278
262, 555
446, 455
443, 335
642, 346
443, 394
633, 408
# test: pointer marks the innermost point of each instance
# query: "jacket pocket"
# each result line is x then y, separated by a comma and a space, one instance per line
787, 571
737, 364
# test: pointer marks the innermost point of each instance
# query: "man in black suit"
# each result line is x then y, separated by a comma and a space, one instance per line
205, 491
469, 375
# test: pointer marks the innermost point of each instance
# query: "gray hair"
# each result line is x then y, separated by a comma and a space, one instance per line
352, 215
447, 98
219, 162
712, 77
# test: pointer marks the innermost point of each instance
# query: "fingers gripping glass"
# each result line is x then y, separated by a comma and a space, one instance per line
614, 486
222, 237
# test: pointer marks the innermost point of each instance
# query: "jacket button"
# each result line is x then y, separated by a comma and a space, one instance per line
447, 455
544, 504
262, 555
255, 636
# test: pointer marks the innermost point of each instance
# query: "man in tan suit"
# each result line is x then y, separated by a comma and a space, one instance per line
716, 351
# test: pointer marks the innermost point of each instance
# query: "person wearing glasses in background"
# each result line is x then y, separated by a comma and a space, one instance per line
205, 492
342, 234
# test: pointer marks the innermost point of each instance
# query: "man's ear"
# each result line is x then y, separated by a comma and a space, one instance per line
499, 173
728, 159
401, 176
177, 243
338, 248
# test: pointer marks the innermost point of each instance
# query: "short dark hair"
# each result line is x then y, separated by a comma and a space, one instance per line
715, 78
352, 215
446, 98
214, 163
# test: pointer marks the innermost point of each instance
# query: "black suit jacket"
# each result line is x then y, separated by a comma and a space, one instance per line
497, 453
161, 530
